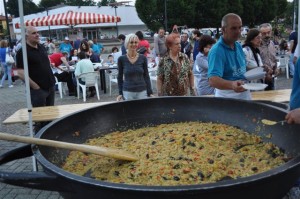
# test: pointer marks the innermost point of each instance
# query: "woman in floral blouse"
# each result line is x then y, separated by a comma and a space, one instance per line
174, 74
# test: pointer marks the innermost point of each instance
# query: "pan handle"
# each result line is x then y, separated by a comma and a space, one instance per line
35, 180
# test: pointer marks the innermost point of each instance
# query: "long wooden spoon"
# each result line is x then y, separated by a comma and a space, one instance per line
270, 122
108, 152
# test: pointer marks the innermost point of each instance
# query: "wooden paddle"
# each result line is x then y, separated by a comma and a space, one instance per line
108, 152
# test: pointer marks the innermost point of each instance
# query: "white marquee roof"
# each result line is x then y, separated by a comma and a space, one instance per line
127, 14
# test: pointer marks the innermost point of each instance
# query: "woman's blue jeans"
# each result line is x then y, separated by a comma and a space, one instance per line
7, 73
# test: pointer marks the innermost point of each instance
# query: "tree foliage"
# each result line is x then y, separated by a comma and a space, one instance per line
46, 4
29, 7
106, 2
203, 13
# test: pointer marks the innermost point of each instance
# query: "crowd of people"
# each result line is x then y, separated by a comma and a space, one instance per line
200, 65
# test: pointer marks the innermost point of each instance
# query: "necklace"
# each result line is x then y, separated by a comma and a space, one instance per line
132, 57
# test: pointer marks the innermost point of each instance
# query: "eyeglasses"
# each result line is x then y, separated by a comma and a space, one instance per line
134, 42
266, 33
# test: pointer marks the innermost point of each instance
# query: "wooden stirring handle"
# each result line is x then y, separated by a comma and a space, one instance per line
108, 152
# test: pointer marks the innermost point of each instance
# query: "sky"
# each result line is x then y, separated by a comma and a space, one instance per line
37, 2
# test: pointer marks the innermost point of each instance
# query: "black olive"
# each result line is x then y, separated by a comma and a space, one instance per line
242, 160
201, 147
211, 161
176, 166
185, 134
255, 169
116, 173
183, 147
201, 175
226, 178
183, 141
172, 140
194, 135
176, 178
242, 165
147, 156
171, 130
165, 178
191, 144
153, 143
220, 155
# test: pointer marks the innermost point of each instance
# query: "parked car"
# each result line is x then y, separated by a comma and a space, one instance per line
146, 34
43, 40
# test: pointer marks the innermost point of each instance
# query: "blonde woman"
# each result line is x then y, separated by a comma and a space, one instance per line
133, 77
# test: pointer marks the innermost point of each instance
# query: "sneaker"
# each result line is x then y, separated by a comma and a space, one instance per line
10, 86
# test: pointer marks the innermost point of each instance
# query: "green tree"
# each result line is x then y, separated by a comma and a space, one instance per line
149, 14
267, 15
29, 7
179, 12
106, 2
252, 12
80, 3
49, 3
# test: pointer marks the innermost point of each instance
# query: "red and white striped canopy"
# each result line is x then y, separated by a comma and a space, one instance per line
71, 18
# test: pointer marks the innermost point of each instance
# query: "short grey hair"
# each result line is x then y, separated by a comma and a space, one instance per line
27, 28
129, 38
265, 25
224, 21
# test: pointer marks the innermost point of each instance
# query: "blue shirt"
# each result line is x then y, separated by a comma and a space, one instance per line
225, 62
96, 49
196, 49
65, 47
295, 95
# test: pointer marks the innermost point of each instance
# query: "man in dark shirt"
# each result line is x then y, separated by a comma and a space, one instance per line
41, 78
122, 38
186, 46
196, 37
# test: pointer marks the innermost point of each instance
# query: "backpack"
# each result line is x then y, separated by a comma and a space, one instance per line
142, 50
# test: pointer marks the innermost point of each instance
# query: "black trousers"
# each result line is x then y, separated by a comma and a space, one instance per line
66, 77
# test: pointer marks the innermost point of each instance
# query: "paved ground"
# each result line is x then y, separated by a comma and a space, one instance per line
12, 99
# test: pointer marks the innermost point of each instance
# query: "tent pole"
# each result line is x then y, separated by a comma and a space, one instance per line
26, 74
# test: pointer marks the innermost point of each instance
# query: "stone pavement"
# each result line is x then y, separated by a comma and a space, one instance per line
13, 99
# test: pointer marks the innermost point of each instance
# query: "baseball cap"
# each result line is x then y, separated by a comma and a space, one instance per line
67, 38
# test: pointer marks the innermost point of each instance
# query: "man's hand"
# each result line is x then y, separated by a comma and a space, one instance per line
237, 86
293, 116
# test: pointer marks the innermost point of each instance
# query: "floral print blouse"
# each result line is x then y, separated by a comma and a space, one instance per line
174, 78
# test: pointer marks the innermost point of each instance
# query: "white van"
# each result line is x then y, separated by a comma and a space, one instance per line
43, 40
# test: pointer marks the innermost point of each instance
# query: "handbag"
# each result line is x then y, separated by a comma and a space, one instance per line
8, 58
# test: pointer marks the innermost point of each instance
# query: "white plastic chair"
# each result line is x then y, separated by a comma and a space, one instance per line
60, 86
113, 77
284, 63
91, 79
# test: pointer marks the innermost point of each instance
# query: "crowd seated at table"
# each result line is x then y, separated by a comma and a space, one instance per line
61, 70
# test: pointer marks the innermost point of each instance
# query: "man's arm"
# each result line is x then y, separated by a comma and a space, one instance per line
223, 84
32, 84
156, 48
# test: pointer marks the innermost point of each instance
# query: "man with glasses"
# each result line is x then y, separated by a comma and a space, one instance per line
226, 61
268, 54
41, 78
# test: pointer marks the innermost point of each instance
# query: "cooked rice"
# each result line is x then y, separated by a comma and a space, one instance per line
178, 154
